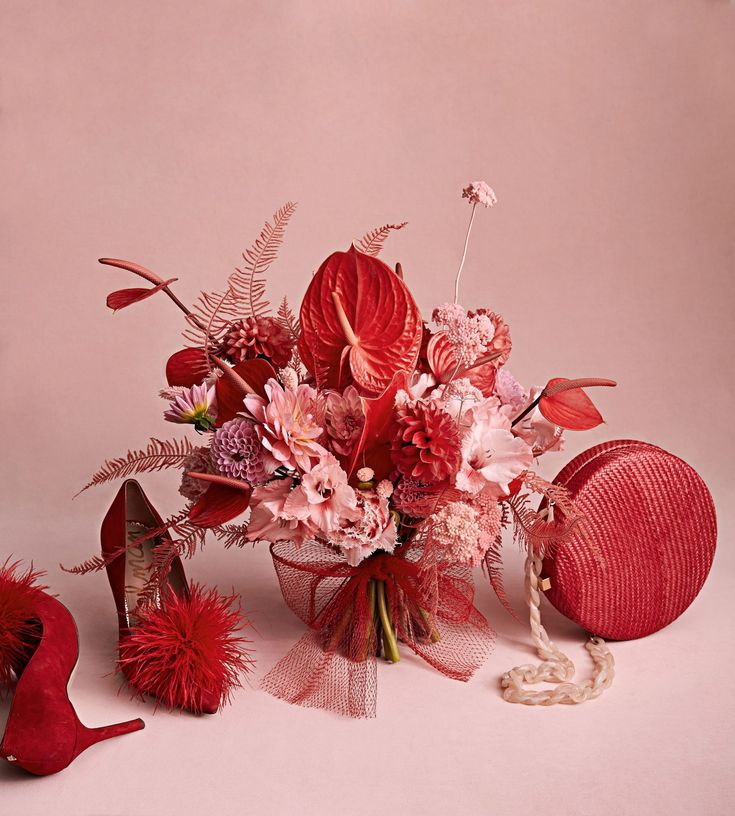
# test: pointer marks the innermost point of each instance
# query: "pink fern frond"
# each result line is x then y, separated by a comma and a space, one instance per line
372, 242
214, 312
248, 284
157, 455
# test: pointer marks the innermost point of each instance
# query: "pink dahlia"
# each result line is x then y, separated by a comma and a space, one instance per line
198, 461
324, 501
193, 406
290, 423
259, 337
480, 192
427, 446
236, 451
345, 420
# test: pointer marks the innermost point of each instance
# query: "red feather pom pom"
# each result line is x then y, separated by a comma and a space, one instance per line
188, 653
18, 629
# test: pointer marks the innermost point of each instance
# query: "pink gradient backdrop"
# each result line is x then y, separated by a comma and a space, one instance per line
166, 133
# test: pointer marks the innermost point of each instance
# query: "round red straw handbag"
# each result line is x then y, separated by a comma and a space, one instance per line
637, 561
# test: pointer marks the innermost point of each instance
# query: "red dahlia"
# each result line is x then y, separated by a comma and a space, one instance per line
427, 446
256, 336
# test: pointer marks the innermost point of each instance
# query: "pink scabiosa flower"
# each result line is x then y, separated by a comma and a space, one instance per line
268, 521
345, 419
427, 444
324, 501
197, 461
491, 455
290, 423
457, 397
194, 406
237, 451
470, 335
480, 192
374, 530
259, 337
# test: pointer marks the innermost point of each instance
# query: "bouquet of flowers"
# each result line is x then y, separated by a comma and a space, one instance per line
380, 454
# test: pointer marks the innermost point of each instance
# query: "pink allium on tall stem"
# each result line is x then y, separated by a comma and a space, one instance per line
478, 192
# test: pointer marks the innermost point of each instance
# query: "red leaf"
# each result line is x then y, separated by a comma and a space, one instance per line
358, 323
571, 409
255, 373
220, 504
443, 364
126, 297
187, 367
373, 449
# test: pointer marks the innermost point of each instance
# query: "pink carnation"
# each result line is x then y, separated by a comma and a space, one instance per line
374, 530
323, 501
268, 521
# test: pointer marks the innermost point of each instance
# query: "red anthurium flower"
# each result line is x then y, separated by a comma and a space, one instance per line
443, 365
126, 297
224, 500
564, 403
187, 367
236, 382
359, 323
373, 448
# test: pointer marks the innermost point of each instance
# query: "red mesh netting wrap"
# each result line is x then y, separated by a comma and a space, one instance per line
428, 603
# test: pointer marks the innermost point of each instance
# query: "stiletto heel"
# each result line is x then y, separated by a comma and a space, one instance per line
40, 647
177, 643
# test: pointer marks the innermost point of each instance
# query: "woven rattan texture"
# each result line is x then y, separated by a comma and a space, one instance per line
649, 542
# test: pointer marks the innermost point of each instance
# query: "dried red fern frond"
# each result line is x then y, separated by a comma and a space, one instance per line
244, 296
372, 242
157, 455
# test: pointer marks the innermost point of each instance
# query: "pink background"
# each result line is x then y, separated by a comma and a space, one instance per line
166, 133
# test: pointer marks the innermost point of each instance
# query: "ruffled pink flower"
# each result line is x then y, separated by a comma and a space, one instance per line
268, 521
324, 501
491, 455
291, 423
480, 192
345, 419
374, 530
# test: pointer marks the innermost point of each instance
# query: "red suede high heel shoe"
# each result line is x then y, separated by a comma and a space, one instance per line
179, 643
39, 647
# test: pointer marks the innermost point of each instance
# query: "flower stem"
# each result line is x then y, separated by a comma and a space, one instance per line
390, 644
527, 410
464, 252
